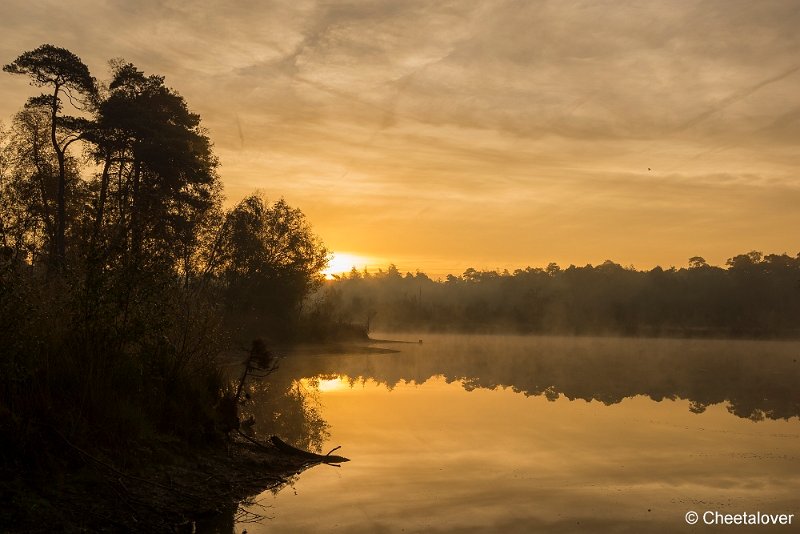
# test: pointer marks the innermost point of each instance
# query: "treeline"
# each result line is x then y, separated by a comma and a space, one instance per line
754, 295
755, 379
121, 275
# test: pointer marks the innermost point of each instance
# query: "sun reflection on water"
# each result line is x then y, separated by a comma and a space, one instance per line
332, 384
327, 383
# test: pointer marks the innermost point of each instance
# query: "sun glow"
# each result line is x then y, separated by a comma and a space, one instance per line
332, 384
342, 262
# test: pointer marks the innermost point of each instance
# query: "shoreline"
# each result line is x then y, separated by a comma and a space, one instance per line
159, 486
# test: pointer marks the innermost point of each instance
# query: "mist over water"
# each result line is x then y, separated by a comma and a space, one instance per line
520, 434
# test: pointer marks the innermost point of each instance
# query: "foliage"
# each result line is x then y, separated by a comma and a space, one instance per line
118, 263
68, 76
269, 260
51, 65
755, 296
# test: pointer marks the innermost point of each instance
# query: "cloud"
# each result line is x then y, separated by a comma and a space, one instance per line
430, 115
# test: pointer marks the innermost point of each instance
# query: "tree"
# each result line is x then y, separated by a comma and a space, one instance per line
30, 185
117, 339
697, 262
67, 75
166, 183
270, 258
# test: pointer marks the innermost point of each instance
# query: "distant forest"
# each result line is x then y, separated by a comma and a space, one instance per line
754, 295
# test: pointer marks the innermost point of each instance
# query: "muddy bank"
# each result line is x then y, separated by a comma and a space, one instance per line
161, 487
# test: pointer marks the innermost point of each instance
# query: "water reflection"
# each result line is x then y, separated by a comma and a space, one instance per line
278, 405
756, 380
287, 407
484, 434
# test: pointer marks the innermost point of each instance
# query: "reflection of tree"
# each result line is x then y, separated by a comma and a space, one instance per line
231, 516
286, 408
756, 380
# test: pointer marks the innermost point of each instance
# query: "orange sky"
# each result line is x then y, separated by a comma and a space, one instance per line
492, 134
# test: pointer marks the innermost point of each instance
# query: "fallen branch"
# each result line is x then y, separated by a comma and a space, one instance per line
321, 458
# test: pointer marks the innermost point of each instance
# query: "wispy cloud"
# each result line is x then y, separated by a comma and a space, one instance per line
522, 131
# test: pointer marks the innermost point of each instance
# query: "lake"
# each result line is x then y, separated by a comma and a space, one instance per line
536, 434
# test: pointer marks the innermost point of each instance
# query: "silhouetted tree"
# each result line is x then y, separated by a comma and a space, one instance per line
166, 181
121, 338
270, 259
66, 75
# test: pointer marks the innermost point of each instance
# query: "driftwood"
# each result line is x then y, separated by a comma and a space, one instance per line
321, 458
285, 448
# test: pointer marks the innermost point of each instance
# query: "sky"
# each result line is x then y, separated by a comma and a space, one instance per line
441, 135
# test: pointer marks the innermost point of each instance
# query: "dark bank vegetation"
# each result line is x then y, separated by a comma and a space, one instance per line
754, 295
122, 278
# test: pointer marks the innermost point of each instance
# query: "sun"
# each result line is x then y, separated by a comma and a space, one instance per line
342, 262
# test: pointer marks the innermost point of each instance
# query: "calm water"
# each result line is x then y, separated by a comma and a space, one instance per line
524, 434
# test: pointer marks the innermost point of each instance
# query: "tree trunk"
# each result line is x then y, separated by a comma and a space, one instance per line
61, 196
101, 201
136, 233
